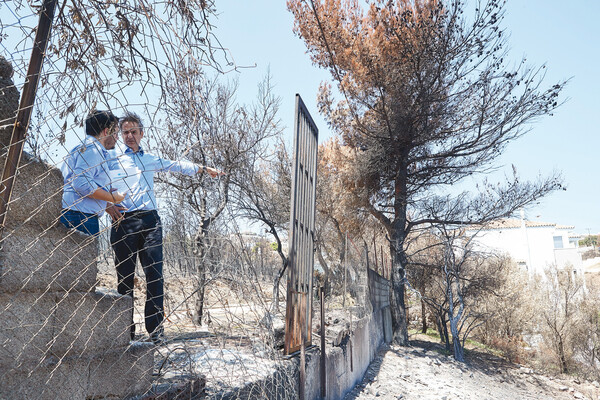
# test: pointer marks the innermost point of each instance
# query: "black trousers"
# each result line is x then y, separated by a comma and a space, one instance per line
139, 234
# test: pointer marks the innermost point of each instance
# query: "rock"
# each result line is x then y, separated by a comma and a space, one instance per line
9, 101
6, 69
525, 370
563, 388
275, 325
342, 338
596, 384
578, 395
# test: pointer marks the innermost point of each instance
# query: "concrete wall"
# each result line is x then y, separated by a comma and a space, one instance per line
568, 256
347, 362
346, 365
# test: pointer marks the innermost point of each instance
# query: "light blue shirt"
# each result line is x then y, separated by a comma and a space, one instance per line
85, 169
134, 172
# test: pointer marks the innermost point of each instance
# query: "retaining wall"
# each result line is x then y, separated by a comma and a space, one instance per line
347, 364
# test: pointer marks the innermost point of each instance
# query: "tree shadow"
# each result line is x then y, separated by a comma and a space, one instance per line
475, 360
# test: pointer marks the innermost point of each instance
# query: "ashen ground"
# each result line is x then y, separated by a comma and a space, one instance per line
420, 371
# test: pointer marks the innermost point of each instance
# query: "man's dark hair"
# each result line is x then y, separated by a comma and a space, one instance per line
131, 117
98, 121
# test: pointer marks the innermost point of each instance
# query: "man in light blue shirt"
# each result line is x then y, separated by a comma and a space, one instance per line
86, 175
138, 231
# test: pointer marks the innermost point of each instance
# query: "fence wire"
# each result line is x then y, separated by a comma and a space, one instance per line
66, 331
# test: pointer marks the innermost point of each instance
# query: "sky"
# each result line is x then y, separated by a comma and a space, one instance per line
562, 35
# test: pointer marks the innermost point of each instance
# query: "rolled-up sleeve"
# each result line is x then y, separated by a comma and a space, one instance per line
84, 172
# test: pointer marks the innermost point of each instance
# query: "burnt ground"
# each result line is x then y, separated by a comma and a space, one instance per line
423, 370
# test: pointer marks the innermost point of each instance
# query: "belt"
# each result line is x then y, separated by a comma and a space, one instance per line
138, 213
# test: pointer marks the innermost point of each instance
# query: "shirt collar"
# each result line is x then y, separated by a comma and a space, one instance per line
122, 148
128, 150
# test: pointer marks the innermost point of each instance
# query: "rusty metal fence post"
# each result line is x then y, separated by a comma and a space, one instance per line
298, 319
301, 236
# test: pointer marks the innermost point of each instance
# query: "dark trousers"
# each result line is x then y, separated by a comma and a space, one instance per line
139, 234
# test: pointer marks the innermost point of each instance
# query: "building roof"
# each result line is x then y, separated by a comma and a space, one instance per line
514, 223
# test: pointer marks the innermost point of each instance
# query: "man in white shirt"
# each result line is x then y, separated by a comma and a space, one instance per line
138, 231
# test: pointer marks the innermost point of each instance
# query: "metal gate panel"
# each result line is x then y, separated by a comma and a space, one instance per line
301, 233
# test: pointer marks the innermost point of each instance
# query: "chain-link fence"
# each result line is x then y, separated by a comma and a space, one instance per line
67, 315
175, 298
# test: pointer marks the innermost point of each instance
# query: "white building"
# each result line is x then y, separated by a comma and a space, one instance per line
533, 245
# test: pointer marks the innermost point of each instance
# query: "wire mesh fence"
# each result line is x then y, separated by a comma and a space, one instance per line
204, 312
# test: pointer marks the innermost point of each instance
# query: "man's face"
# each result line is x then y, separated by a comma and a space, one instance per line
111, 139
108, 137
132, 135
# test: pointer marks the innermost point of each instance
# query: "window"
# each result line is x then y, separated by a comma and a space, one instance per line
558, 242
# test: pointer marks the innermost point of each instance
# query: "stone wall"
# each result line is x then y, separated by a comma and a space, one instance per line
60, 337
9, 101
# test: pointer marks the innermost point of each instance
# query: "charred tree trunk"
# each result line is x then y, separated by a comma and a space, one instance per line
445, 333
399, 259
200, 253
455, 300
442, 328
398, 307
279, 275
326, 270
459, 352
423, 317
562, 357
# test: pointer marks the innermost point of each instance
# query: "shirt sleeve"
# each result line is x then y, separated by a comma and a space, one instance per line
183, 167
84, 171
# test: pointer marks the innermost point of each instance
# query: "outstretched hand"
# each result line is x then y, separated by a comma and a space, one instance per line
212, 172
